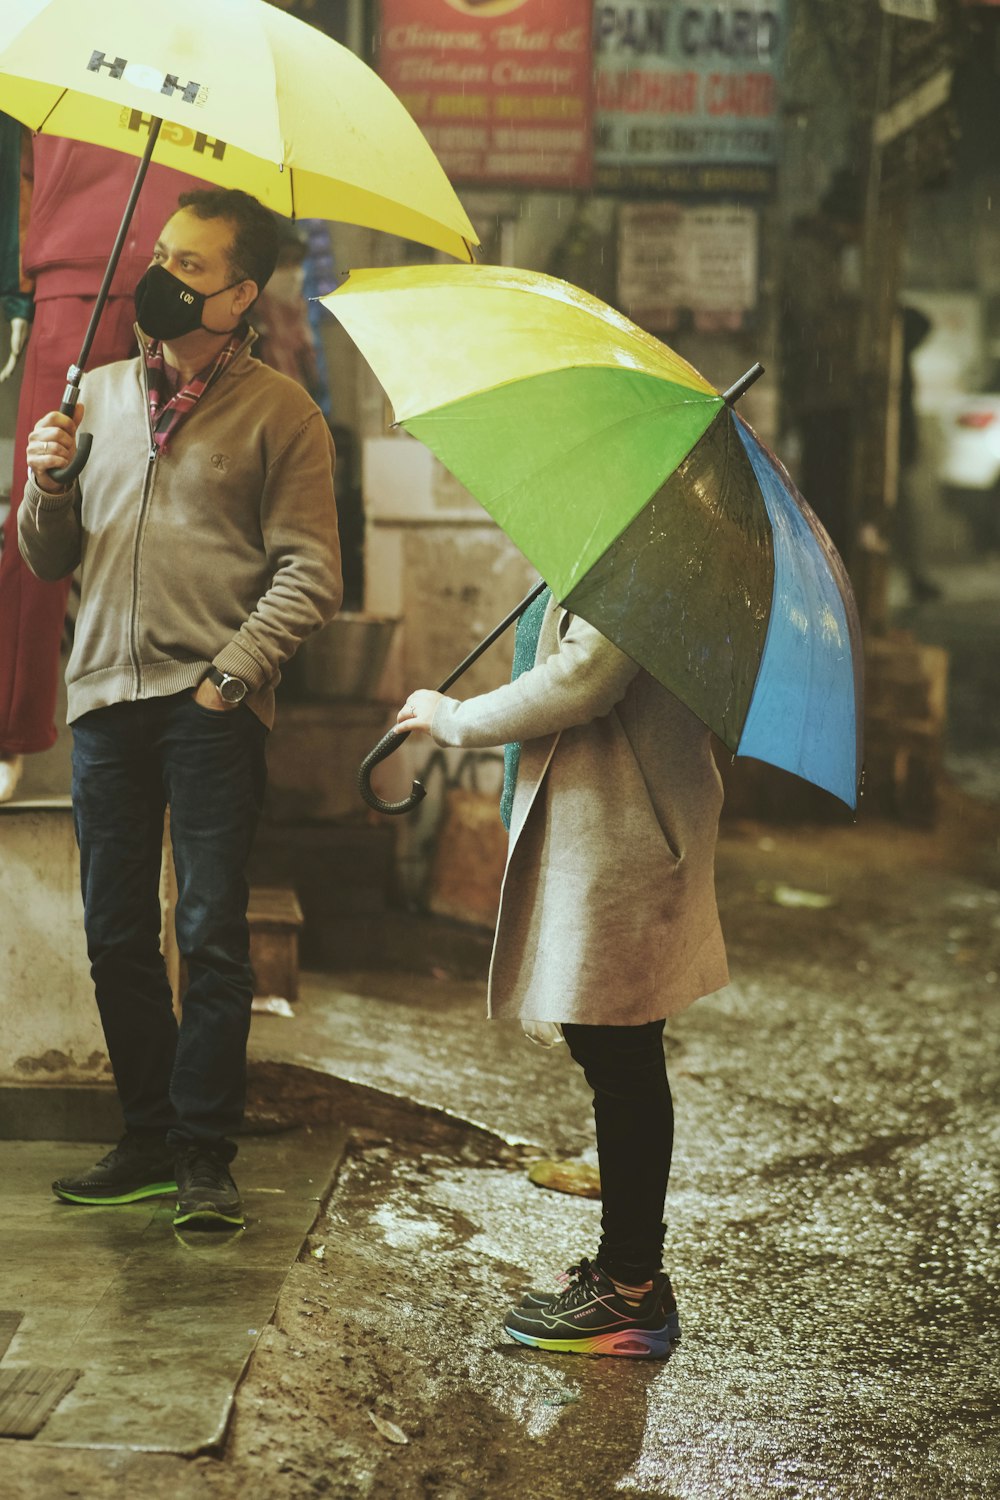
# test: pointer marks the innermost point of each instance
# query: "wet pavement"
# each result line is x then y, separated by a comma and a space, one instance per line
832, 1216
832, 1220
832, 1213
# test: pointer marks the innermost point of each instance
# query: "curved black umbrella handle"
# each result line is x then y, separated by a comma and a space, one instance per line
76, 465
385, 747
84, 440
392, 741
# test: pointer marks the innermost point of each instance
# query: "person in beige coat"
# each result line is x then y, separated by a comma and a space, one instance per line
608, 924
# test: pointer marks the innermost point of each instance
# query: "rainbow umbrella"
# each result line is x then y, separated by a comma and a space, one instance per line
641, 496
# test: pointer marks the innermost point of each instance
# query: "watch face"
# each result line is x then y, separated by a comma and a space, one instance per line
233, 690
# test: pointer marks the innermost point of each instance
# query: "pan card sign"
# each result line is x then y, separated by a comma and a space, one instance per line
687, 94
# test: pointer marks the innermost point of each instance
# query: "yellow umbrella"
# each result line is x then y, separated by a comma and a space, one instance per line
250, 98
235, 92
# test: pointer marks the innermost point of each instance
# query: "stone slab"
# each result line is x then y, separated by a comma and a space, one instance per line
160, 1324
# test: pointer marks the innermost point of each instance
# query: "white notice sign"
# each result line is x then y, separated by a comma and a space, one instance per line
675, 259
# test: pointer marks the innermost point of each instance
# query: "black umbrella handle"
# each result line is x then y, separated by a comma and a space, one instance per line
385, 747
77, 463
84, 440
392, 741
74, 374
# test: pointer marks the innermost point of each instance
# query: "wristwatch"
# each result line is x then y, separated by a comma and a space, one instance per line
231, 689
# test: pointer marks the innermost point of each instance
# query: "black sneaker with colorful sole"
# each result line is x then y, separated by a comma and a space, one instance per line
590, 1316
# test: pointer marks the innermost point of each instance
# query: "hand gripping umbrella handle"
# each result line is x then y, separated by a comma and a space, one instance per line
65, 476
392, 741
84, 440
385, 747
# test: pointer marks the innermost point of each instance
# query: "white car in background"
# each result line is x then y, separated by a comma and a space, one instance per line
969, 468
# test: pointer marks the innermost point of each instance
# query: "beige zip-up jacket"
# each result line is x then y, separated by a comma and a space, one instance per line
222, 550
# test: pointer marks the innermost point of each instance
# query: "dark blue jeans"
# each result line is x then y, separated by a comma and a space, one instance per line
634, 1115
130, 761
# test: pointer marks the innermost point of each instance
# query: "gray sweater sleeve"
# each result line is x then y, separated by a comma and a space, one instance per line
299, 526
581, 681
49, 533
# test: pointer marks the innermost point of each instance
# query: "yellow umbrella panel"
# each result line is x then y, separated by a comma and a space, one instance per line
250, 98
458, 348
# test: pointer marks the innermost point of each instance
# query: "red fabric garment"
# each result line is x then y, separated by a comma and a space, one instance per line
77, 203
170, 403
32, 612
78, 198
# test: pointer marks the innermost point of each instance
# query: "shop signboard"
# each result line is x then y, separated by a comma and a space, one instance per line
913, 10
501, 88
686, 263
687, 94
914, 127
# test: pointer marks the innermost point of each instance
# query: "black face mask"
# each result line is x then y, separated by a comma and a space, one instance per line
167, 308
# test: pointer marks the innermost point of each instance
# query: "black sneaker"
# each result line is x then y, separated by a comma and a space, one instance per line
591, 1317
207, 1196
138, 1167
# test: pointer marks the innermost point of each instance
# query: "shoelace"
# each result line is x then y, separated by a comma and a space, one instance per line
580, 1284
126, 1149
203, 1170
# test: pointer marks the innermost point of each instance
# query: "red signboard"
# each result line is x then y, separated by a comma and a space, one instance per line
500, 88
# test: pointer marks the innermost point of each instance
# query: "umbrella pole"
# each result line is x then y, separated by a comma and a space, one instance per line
392, 741
74, 374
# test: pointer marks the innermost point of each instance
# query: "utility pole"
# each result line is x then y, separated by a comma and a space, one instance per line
881, 247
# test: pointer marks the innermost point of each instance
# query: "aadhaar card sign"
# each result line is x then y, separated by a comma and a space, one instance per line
686, 94
501, 88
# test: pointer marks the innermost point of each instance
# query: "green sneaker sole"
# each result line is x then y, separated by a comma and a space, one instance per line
210, 1217
150, 1190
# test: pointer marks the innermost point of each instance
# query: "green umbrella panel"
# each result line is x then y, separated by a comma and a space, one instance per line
634, 499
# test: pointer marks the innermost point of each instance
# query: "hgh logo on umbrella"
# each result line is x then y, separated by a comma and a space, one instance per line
144, 77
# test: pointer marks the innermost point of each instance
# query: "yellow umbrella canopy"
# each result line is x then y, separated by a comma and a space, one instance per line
250, 98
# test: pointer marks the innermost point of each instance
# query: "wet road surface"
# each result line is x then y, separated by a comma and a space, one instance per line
832, 1219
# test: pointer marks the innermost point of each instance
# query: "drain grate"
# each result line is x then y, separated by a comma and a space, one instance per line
8, 1327
29, 1396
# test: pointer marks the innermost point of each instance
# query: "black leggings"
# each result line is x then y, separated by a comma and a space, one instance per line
634, 1114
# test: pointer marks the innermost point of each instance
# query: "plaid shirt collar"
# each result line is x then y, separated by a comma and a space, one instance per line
166, 415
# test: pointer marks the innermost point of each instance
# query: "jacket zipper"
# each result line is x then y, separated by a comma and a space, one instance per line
134, 624
143, 507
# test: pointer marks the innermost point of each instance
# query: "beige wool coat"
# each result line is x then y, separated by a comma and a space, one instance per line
608, 913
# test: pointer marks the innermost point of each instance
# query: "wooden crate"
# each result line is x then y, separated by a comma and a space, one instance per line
275, 919
906, 686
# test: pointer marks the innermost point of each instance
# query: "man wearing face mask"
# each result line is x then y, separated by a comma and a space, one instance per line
205, 529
